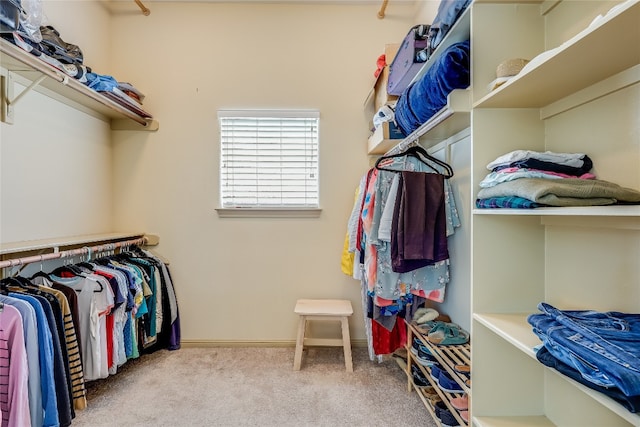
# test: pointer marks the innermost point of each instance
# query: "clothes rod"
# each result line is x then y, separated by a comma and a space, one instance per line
382, 9
74, 252
143, 8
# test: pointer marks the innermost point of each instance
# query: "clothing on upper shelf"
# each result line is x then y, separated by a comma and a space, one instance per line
80, 323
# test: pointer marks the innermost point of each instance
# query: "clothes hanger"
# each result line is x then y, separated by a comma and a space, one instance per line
422, 155
421, 151
18, 282
41, 274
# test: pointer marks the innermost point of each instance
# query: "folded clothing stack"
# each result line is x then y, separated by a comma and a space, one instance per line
526, 179
597, 349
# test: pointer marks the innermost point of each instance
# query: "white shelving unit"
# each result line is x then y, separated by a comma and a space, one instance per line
578, 94
25, 68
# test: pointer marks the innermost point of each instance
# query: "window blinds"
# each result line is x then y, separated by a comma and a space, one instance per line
269, 159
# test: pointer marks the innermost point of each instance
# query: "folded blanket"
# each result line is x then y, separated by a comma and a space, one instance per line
564, 192
425, 97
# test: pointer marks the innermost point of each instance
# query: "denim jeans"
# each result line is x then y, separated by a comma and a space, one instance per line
632, 403
603, 347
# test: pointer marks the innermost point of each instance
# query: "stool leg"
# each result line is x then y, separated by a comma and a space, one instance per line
297, 359
346, 343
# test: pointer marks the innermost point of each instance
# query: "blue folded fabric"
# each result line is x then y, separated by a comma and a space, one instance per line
513, 202
101, 82
425, 97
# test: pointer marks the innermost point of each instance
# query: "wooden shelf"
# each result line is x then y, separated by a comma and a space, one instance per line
63, 88
61, 243
562, 71
447, 356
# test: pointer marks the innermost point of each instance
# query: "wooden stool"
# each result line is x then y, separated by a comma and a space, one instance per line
323, 309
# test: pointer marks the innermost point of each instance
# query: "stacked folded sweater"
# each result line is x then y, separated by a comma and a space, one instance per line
527, 179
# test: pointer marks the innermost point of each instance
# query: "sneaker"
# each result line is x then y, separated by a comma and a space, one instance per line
435, 371
415, 345
446, 383
444, 415
424, 356
418, 377
64, 52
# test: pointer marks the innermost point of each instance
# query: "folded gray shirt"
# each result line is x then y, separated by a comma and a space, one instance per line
563, 192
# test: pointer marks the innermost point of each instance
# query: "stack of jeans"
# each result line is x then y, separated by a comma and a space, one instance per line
598, 349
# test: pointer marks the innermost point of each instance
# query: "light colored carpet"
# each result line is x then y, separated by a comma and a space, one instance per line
253, 387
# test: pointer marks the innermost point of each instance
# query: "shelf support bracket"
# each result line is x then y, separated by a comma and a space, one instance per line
8, 101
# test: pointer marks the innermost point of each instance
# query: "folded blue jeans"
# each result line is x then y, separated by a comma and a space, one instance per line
632, 403
603, 346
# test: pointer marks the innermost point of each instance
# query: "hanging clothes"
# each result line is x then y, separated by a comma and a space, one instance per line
405, 215
79, 323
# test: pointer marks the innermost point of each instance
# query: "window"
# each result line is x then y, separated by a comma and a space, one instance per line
269, 159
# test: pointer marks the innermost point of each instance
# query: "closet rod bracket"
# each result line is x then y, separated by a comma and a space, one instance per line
8, 100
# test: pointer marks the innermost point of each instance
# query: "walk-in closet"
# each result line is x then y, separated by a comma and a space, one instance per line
456, 181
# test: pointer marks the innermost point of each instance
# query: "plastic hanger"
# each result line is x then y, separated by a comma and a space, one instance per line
18, 282
422, 155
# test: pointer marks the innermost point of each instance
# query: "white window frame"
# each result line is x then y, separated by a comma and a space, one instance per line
264, 209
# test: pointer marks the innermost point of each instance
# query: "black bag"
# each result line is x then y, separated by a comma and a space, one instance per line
10, 11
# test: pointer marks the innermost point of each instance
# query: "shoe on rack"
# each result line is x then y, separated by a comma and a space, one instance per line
446, 383
460, 403
435, 371
465, 416
423, 315
418, 377
424, 356
431, 394
415, 345
444, 415
463, 369
448, 334
426, 327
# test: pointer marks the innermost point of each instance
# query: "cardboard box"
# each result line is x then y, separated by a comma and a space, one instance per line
385, 137
380, 86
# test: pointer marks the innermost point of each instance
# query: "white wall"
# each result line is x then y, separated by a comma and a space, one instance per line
55, 161
238, 279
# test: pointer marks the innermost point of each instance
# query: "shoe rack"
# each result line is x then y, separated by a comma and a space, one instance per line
448, 356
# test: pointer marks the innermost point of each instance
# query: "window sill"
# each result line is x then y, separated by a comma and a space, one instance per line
269, 212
